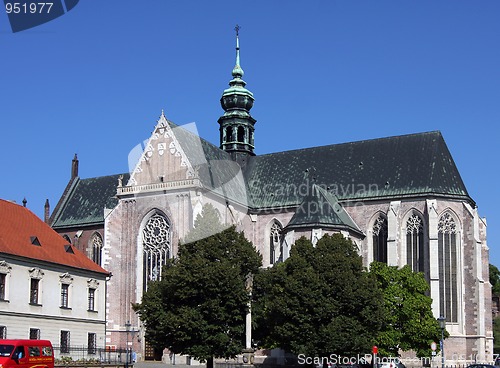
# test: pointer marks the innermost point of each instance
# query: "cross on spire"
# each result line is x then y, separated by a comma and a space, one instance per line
237, 71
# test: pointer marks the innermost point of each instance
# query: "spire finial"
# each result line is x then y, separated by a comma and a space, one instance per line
237, 71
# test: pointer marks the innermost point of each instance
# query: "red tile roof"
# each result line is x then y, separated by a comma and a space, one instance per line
19, 226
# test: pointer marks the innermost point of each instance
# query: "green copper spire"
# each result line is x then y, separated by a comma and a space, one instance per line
237, 125
237, 71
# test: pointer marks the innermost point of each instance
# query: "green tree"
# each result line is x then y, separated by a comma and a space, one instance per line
495, 290
206, 224
496, 335
198, 308
319, 301
409, 323
494, 279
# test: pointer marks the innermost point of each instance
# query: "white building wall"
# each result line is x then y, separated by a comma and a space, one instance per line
19, 316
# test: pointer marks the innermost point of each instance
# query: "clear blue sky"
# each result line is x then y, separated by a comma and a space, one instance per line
95, 80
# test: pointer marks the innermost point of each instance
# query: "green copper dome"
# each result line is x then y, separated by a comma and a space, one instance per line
237, 96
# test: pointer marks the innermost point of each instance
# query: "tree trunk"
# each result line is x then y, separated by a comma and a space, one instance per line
210, 362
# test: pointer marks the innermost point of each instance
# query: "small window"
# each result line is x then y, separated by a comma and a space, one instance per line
34, 291
34, 351
3, 280
241, 135
47, 351
92, 343
229, 134
34, 334
3, 332
5, 350
19, 352
64, 343
34, 240
91, 299
64, 295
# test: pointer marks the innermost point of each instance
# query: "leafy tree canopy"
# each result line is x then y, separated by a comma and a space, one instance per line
496, 335
206, 223
409, 323
198, 308
319, 301
494, 279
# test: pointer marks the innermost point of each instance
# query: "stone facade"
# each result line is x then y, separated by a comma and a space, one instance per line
470, 333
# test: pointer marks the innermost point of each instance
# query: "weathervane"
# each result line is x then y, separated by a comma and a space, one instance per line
237, 29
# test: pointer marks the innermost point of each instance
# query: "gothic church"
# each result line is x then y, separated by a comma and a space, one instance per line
400, 199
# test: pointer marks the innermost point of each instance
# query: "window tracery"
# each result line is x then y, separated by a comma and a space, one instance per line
447, 224
415, 243
448, 267
96, 244
380, 239
275, 244
156, 237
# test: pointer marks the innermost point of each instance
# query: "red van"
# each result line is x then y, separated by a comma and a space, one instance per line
26, 354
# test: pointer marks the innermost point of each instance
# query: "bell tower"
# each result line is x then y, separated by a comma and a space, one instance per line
237, 125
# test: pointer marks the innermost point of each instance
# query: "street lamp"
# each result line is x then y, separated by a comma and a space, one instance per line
442, 324
127, 328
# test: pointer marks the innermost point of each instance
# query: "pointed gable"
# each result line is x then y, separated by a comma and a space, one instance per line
177, 158
19, 226
162, 159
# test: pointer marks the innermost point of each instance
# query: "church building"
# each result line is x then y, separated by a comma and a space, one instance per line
400, 199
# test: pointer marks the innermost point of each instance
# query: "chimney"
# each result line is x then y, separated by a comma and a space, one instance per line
46, 215
74, 167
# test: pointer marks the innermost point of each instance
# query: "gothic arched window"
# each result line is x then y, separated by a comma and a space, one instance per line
415, 243
96, 246
380, 239
275, 244
156, 247
447, 255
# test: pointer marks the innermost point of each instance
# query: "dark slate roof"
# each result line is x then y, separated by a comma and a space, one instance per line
393, 167
320, 208
85, 202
